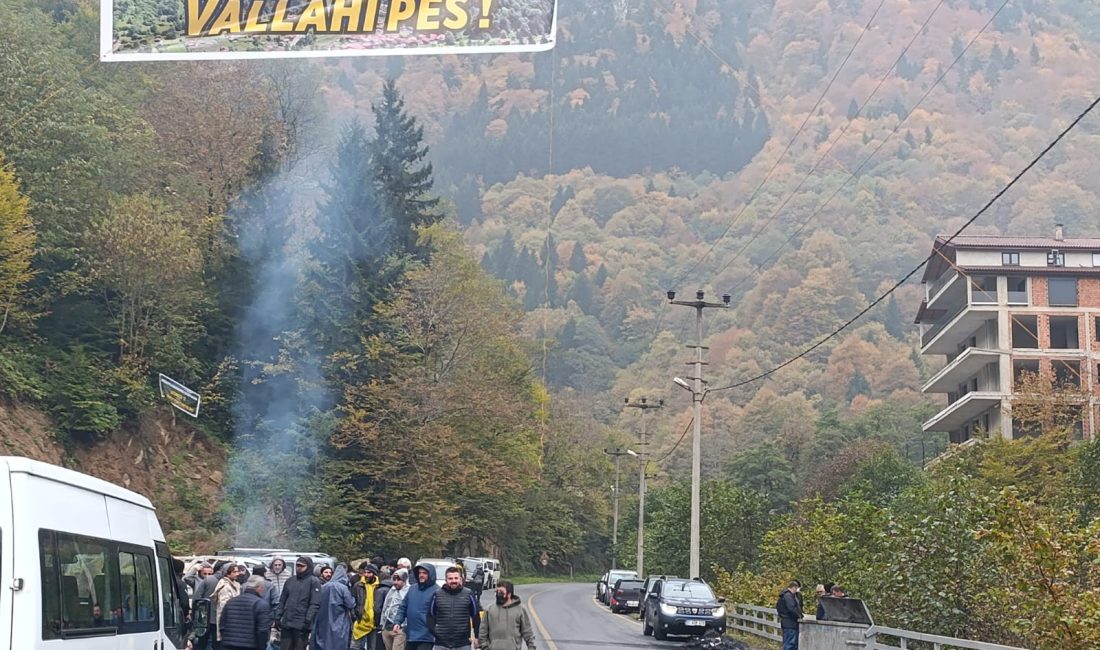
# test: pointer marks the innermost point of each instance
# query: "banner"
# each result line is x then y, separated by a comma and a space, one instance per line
164, 30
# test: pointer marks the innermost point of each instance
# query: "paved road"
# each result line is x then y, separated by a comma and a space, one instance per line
567, 617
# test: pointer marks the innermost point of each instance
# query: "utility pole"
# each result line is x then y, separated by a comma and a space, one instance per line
698, 393
643, 459
618, 453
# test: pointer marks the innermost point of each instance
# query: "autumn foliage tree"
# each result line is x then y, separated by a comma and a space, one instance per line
16, 250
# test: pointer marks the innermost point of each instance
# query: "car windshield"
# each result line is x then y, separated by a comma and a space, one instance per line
619, 575
688, 590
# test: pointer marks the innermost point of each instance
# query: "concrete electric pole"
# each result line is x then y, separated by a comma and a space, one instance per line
618, 453
643, 459
698, 393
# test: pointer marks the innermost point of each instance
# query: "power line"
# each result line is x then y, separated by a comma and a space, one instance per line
682, 436
790, 143
925, 261
862, 164
832, 145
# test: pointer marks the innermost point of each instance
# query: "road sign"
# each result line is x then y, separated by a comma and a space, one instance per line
180, 396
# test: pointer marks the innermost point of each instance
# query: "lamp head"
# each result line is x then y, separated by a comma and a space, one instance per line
726, 298
681, 383
699, 294
671, 294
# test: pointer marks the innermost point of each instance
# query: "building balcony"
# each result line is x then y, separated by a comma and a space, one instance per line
948, 289
963, 367
964, 410
945, 335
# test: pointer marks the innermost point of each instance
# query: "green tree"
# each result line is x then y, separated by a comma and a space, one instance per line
404, 179
144, 265
17, 240
766, 470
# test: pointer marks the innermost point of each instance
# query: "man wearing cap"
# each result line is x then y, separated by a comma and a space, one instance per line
298, 604
393, 637
364, 636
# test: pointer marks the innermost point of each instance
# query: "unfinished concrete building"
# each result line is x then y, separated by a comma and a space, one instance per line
997, 307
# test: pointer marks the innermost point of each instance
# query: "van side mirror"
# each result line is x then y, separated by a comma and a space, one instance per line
200, 618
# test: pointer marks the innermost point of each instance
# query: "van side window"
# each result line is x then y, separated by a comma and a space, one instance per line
92, 587
138, 591
51, 586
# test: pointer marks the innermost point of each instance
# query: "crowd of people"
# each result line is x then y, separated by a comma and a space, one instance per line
375, 606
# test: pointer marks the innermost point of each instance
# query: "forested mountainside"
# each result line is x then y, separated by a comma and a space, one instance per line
805, 236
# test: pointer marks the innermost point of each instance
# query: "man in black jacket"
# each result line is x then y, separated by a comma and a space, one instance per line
454, 613
246, 619
789, 608
298, 604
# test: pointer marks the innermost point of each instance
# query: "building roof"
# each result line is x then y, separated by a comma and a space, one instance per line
1010, 242
937, 264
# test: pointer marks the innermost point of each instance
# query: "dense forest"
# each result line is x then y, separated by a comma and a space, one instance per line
414, 308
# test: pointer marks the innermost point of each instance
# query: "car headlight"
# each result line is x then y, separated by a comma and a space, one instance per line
720, 612
668, 610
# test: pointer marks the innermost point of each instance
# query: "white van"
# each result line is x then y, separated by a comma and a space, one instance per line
83, 564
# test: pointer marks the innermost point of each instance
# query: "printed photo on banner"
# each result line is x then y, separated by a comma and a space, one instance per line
150, 30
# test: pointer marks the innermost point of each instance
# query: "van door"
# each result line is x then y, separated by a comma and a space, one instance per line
7, 588
170, 599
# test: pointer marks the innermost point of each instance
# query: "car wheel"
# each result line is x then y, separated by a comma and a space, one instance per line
659, 632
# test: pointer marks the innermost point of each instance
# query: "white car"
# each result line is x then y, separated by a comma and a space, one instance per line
492, 571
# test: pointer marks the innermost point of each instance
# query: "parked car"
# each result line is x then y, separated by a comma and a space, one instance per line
626, 595
684, 607
647, 587
492, 571
477, 574
608, 580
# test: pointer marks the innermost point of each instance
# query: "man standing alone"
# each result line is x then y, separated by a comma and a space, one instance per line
789, 608
453, 614
506, 625
298, 604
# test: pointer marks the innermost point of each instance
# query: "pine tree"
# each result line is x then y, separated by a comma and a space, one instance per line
1011, 61
910, 140
582, 293
601, 275
577, 260
894, 320
853, 109
561, 197
397, 160
354, 234
927, 135
1035, 58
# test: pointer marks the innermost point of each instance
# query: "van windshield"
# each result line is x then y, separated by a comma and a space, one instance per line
688, 590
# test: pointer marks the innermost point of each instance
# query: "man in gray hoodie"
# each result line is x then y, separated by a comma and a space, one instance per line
507, 625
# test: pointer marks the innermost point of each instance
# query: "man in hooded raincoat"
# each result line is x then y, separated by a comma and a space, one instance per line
364, 633
332, 627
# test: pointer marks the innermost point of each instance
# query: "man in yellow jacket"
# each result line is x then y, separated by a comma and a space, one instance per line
364, 634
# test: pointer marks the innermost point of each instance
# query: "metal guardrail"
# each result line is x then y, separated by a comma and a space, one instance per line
764, 622
933, 641
755, 620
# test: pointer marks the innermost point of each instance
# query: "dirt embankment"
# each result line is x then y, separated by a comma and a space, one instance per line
179, 469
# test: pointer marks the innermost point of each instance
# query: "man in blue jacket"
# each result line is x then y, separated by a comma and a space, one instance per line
412, 614
246, 619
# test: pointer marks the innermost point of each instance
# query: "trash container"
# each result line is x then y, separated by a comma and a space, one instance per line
842, 626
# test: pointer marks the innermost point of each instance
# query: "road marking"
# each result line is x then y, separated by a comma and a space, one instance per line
538, 622
619, 617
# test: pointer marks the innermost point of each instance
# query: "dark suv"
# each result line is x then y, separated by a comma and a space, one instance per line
686, 607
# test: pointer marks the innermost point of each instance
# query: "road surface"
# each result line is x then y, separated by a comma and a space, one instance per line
567, 617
